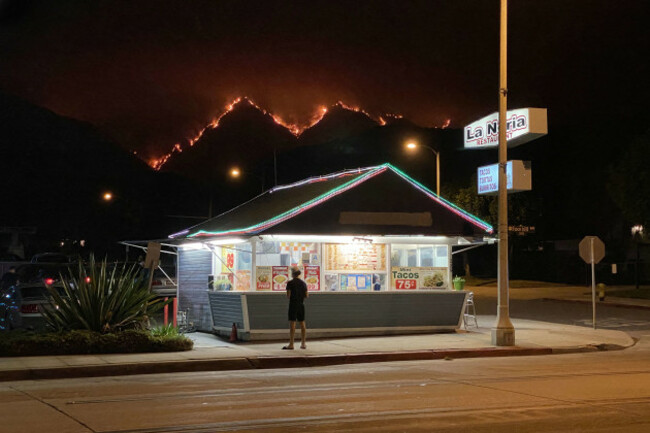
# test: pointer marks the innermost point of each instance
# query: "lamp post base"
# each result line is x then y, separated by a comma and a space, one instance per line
503, 336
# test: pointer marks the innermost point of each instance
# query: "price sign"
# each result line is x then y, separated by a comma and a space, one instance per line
406, 284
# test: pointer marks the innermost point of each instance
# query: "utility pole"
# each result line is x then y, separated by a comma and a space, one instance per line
503, 334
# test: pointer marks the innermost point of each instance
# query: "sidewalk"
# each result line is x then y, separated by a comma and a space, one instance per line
213, 354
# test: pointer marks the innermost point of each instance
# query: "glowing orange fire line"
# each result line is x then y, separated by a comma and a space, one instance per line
294, 128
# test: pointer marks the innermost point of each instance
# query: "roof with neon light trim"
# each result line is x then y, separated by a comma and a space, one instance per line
379, 200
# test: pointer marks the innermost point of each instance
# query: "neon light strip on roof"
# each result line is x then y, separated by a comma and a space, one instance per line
322, 178
301, 208
452, 207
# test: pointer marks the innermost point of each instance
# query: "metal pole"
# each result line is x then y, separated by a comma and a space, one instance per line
593, 284
275, 168
503, 334
438, 173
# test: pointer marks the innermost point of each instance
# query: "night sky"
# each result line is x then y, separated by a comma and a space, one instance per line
151, 73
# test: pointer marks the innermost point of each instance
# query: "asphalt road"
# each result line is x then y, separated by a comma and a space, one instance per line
634, 321
590, 392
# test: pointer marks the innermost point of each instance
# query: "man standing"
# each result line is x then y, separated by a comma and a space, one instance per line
296, 292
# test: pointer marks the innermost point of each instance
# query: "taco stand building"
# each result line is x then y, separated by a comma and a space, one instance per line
373, 244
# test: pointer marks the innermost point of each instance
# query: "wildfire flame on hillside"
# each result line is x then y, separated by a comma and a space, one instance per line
294, 128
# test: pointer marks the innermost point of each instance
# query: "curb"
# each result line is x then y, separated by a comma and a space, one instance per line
264, 362
608, 304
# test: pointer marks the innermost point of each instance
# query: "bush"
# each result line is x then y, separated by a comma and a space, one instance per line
19, 343
101, 299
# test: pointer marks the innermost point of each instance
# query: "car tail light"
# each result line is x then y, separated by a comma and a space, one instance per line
49, 281
29, 308
87, 280
156, 283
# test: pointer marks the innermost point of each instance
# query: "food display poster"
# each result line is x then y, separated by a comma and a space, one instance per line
312, 277
280, 277
243, 280
353, 282
411, 278
263, 277
228, 258
356, 257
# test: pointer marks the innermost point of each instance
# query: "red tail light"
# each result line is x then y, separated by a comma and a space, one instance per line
87, 280
29, 308
49, 281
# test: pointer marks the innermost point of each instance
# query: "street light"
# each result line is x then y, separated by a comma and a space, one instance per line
412, 145
107, 196
236, 173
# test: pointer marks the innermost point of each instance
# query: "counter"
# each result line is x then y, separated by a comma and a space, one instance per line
263, 315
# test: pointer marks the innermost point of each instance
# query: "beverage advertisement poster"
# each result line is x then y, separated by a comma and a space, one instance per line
242, 280
312, 277
263, 277
354, 282
412, 278
280, 276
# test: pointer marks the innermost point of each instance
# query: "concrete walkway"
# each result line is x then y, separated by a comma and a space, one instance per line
212, 354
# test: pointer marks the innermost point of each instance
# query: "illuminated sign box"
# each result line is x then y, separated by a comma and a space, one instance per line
519, 176
522, 126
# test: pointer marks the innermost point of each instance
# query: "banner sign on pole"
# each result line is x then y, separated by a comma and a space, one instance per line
518, 173
522, 126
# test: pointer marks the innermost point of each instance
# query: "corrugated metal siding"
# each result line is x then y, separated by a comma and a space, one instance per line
194, 267
361, 310
226, 310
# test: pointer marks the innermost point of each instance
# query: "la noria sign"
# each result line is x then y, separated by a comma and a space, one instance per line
522, 126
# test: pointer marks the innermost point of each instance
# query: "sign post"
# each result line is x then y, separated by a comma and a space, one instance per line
592, 250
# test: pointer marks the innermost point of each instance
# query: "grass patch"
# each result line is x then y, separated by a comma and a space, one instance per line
641, 293
83, 342
513, 284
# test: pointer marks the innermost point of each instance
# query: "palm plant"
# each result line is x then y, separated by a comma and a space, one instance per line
102, 299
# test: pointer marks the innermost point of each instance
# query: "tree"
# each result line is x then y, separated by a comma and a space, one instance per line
629, 181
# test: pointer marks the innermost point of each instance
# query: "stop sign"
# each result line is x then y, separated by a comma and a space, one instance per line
586, 249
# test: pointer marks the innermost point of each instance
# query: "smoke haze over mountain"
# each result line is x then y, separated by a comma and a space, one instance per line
152, 74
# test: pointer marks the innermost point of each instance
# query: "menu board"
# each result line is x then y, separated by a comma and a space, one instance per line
352, 282
280, 275
312, 277
263, 277
242, 280
356, 257
411, 278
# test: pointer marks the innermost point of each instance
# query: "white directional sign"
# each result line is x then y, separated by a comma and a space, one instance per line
518, 173
522, 126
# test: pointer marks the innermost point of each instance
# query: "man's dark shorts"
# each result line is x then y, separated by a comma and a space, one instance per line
296, 312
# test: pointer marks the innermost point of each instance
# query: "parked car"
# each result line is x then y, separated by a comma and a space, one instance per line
21, 304
50, 258
164, 284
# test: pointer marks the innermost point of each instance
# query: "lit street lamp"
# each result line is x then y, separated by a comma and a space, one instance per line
236, 173
107, 196
412, 145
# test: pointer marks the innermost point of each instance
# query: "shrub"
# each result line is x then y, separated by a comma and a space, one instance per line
19, 343
101, 299
164, 331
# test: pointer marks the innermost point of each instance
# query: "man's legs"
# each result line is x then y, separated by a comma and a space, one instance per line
292, 333
303, 335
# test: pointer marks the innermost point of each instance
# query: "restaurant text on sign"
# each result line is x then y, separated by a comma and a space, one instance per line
522, 125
